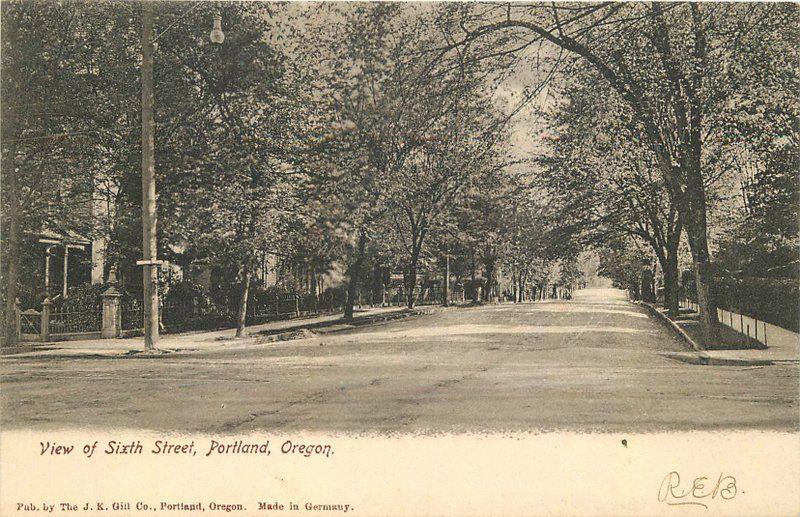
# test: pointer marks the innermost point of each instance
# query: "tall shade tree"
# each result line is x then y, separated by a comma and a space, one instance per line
436, 175
65, 126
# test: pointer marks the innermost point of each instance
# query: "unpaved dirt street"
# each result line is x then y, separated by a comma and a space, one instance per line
589, 364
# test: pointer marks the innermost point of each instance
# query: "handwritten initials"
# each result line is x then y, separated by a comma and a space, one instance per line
671, 492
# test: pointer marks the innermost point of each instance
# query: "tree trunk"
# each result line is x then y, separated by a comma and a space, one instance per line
671, 288
355, 276
694, 221
489, 269
633, 291
416, 249
12, 253
411, 282
514, 286
472, 270
446, 283
646, 279
12, 244
313, 283
704, 280
240, 320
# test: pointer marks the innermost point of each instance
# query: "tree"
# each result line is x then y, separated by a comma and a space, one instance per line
760, 235
436, 174
387, 105
486, 222
533, 246
622, 262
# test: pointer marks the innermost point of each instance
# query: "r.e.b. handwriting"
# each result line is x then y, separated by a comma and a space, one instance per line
698, 492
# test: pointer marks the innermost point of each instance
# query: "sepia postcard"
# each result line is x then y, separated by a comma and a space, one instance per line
399, 258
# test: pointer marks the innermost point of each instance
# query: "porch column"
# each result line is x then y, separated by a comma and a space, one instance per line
47, 252
98, 260
66, 266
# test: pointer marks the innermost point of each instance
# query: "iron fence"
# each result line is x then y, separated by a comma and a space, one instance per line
176, 314
277, 306
132, 314
200, 314
309, 304
398, 296
67, 319
428, 296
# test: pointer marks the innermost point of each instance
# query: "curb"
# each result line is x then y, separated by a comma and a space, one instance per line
343, 325
697, 354
699, 350
705, 360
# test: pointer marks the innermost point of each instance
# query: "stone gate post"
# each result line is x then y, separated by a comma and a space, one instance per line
44, 329
112, 315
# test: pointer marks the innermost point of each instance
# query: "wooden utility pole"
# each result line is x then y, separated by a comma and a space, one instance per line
149, 261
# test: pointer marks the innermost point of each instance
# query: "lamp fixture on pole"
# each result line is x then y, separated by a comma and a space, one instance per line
217, 36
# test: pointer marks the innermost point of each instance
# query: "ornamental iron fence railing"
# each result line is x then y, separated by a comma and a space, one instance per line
76, 320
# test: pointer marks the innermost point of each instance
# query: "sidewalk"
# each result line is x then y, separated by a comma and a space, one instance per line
783, 346
772, 354
197, 340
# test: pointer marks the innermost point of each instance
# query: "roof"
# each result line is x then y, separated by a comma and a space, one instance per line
67, 237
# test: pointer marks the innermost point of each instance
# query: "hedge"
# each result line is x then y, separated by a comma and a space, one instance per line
774, 300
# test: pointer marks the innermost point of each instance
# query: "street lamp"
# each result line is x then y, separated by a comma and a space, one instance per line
149, 260
217, 36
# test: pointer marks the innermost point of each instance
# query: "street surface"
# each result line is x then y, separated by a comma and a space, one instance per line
589, 364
